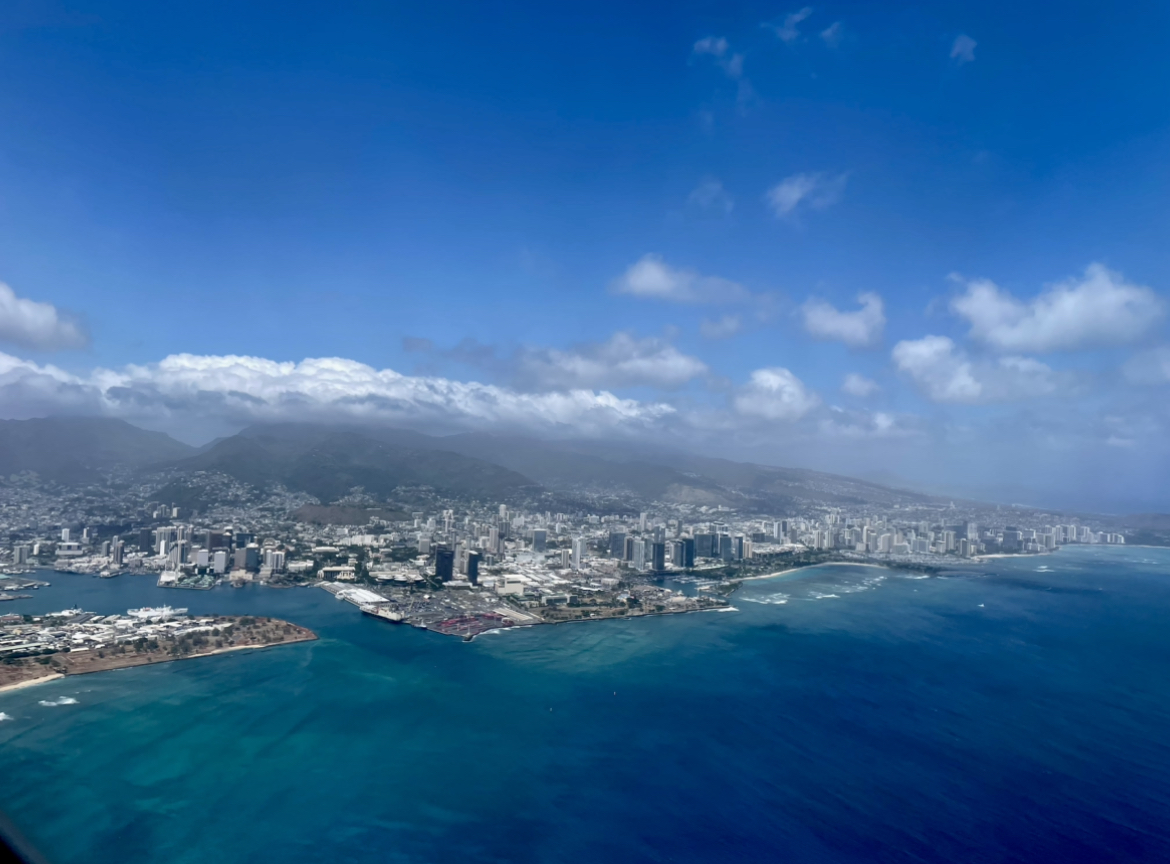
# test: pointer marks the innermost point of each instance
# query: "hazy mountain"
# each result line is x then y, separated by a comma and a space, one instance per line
72, 449
328, 462
669, 475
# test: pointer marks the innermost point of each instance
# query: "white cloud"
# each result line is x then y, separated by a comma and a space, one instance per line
787, 31
247, 389
775, 394
935, 366
726, 326
622, 361
816, 191
1099, 309
859, 329
39, 326
963, 49
946, 374
840, 423
718, 48
832, 34
652, 277
859, 385
710, 195
1149, 367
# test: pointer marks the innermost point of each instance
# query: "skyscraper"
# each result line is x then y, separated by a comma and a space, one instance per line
658, 556
638, 557
617, 544
579, 547
444, 563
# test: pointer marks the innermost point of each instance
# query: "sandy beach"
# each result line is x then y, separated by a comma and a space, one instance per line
808, 567
22, 684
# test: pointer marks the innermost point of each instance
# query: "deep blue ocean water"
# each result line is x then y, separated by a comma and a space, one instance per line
842, 714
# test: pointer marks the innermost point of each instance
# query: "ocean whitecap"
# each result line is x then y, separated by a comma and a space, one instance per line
63, 700
4, 717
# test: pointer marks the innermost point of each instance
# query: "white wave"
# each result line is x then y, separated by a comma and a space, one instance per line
816, 595
776, 599
63, 700
4, 716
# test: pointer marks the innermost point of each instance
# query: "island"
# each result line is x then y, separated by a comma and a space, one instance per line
74, 642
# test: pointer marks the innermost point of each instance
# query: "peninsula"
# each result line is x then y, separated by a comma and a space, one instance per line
74, 642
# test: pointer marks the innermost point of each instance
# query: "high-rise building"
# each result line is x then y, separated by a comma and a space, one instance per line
642, 522
658, 556
64, 535
220, 562
638, 557
688, 553
617, 544
726, 550
473, 567
20, 554
629, 553
444, 563
117, 552
579, 547
704, 544
737, 547
539, 539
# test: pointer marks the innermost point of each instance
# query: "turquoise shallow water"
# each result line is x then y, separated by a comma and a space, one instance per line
844, 714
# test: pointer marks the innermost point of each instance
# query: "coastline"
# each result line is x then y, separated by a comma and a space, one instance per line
137, 660
58, 675
727, 608
809, 567
20, 685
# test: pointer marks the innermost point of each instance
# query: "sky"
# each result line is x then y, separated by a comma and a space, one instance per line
924, 243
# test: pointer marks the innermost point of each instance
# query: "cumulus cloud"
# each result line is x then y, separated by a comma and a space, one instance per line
945, 374
841, 423
622, 361
787, 30
775, 394
963, 49
1149, 367
860, 329
39, 326
718, 48
814, 191
859, 385
832, 34
1099, 309
247, 389
726, 326
652, 277
710, 195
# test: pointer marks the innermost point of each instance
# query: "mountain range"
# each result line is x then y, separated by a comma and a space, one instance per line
329, 461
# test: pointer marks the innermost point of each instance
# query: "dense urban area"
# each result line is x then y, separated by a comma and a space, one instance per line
462, 566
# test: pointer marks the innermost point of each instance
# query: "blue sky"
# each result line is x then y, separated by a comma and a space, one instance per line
637, 220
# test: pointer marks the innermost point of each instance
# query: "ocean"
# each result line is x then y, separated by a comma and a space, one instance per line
1018, 711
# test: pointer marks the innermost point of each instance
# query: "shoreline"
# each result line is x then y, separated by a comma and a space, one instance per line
20, 685
727, 608
55, 676
810, 567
